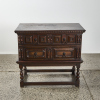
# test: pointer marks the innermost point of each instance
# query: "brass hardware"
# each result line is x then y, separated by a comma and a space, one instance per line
64, 39
64, 54
35, 39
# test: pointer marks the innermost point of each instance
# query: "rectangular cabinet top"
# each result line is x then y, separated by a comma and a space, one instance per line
49, 27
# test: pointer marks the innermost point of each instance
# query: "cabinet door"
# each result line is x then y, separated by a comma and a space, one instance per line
64, 53
35, 53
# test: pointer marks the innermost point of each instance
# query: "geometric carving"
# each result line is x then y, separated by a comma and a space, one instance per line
49, 38
79, 38
28, 39
20, 39
78, 52
42, 39
71, 38
35, 53
64, 52
20, 53
57, 39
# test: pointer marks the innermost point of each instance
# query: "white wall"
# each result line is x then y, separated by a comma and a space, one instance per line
85, 12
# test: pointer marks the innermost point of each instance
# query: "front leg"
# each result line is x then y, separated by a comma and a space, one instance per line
21, 76
78, 76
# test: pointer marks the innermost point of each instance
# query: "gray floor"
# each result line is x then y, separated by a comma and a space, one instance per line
89, 82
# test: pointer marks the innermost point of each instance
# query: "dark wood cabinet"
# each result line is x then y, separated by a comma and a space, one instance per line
49, 45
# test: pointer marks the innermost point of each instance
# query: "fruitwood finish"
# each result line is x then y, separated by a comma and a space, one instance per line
49, 44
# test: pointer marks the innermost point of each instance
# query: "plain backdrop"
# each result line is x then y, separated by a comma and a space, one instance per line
85, 12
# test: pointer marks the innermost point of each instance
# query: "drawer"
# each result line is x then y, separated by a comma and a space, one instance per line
42, 39
64, 53
35, 53
51, 39
71, 39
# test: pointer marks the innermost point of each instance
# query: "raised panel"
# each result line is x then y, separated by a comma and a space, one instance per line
64, 53
71, 38
42, 39
57, 39
28, 39
35, 53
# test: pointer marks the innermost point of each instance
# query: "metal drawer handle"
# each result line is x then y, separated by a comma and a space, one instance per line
64, 54
35, 54
64, 39
35, 39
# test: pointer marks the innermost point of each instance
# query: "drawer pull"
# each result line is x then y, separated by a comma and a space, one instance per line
64, 54
35, 39
64, 39
35, 54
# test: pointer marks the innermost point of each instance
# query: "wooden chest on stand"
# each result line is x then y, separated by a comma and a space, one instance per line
49, 44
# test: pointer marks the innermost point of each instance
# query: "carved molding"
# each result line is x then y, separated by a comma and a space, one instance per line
28, 39
49, 50
20, 39
78, 52
57, 31
20, 53
49, 38
79, 38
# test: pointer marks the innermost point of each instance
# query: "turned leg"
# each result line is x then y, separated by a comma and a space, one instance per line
21, 76
25, 70
73, 70
78, 75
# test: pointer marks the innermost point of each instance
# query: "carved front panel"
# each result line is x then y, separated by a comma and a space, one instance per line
20, 52
28, 39
78, 52
57, 39
49, 37
64, 53
35, 53
71, 39
20, 39
42, 39
79, 38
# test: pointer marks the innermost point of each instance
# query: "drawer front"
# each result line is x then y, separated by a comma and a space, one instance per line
35, 53
57, 39
42, 39
51, 39
71, 39
50, 53
64, 53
